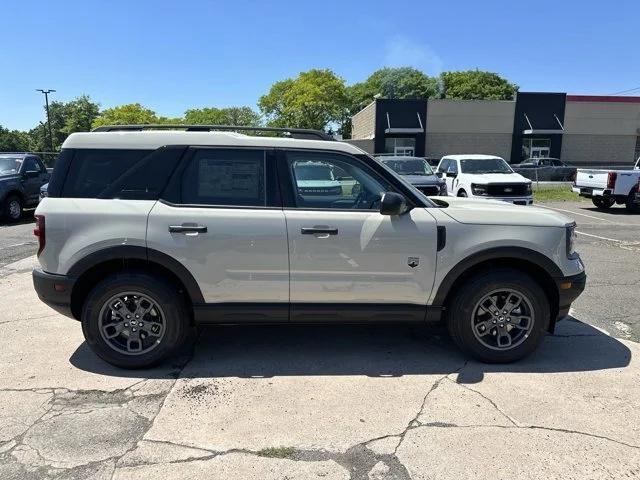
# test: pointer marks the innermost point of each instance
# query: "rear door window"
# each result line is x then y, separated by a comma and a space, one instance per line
226, 177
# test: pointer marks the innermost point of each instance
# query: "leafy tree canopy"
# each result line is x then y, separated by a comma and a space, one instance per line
129, 114
14, 141
477, 85
66, 118
222, 116
402, 83
314, 99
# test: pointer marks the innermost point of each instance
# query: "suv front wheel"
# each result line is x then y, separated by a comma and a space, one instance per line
132, 320
499, 316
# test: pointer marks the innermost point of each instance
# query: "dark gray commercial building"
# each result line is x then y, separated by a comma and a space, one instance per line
579, 129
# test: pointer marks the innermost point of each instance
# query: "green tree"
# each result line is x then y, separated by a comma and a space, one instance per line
401, 82
14, 140
477, 85
129, 114
315, 99
222, 116
66, 117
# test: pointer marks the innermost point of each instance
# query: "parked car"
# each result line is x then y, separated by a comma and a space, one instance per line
484, 176
21, 176
418, 172
546, 169
608, 187
146, 234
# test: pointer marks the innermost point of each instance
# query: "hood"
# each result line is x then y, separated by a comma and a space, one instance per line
497, 178
496, 212
423, 179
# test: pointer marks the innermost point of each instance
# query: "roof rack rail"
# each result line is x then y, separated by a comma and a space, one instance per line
300, 133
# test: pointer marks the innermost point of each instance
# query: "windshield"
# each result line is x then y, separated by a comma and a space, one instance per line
313, 172
414, 166
10, 165
485, 165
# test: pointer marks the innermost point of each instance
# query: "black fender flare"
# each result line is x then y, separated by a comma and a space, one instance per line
497, 253
134, 252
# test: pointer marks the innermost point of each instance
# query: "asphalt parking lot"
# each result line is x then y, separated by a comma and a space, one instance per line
330, 402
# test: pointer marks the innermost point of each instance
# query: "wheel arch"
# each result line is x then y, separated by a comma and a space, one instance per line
97, 265
12, 192
540, 267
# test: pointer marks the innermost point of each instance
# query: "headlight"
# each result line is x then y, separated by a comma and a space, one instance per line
528, 189
571, 240
479, 189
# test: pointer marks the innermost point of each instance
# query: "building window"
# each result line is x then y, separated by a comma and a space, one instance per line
536, 148
400, 145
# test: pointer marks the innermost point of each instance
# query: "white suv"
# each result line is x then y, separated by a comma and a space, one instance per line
146, 234
484, 176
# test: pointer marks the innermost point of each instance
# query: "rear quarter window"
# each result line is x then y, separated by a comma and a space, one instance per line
92, 172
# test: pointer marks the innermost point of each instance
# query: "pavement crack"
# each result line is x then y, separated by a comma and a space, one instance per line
414, 421
166, 395
494, 404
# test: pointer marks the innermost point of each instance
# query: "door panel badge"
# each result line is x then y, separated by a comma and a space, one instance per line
413, 262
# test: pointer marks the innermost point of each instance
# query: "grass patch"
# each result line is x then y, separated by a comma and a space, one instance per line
277, 452
555, 194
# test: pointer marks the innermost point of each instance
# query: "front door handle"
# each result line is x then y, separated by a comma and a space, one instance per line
187, 228
321, 230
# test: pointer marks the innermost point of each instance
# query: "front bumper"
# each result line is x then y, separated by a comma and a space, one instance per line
514, 200
569, 288
54, 290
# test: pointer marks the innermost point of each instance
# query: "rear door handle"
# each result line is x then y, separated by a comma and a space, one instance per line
321, 230
187, 228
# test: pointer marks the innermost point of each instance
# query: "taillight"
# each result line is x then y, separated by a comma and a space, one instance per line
611, 179
39, 232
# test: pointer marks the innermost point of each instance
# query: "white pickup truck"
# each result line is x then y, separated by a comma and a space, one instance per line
606, 187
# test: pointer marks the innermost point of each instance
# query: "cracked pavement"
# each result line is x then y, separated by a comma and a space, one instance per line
339, 402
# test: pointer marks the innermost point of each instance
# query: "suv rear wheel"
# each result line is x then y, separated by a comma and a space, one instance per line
499, 316
132, 320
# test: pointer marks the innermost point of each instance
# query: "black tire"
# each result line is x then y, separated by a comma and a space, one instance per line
12, 209
462, 193
603, 203
630, 204
176, 321
460, 314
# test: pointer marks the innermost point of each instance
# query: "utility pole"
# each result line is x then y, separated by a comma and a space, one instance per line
46, 100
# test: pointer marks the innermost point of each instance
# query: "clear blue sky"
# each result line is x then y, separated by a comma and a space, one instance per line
173, 55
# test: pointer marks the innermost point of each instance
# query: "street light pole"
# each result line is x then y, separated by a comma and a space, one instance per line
46, 100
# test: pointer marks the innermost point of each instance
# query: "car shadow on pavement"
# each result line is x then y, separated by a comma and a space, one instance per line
375, 351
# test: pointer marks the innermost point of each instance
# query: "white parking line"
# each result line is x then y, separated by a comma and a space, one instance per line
577, 213
598, 236
17, 245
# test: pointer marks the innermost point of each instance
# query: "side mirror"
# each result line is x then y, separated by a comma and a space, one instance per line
439, 174
392, 203
451, 174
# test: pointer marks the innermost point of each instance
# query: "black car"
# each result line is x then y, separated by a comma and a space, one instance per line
418, 172
21, 176
546, 169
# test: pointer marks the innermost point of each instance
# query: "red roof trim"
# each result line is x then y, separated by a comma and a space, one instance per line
602, 98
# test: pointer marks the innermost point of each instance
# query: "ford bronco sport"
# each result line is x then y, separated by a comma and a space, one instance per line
147, 232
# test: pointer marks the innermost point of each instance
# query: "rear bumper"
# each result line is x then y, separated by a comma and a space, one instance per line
54, 290
589, 192
569, 288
